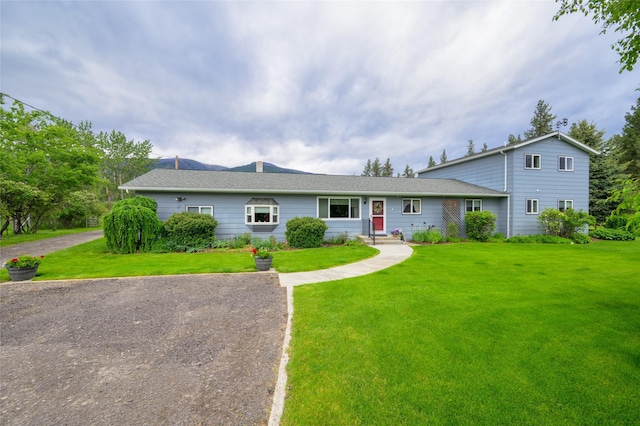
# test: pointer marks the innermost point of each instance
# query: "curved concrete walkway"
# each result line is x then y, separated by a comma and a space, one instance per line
390, 254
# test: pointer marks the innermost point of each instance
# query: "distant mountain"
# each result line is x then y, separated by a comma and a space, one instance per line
187, 164
266, 168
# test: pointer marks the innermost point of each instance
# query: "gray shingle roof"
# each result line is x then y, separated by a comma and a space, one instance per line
166, 180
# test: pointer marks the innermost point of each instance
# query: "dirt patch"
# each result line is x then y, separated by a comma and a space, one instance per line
189, 349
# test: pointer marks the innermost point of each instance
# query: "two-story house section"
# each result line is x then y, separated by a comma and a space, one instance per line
546, 171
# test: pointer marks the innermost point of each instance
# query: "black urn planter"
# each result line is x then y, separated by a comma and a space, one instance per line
263, 264
22, 274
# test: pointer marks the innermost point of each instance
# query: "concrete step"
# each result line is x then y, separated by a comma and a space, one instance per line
380, 239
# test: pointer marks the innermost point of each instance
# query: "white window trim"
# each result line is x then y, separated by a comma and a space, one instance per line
533, 162
566, 169
186, 209
339, 198
412, 204
537, 204
252, 214
565, 204
473, 202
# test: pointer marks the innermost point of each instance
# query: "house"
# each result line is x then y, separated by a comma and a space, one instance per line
550, 171
514, 182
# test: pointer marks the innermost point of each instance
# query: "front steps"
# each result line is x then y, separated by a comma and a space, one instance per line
380, 239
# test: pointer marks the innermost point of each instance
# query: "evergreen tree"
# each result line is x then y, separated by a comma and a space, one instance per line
443, 157
484, 147
376, 169
604, 170
367, 168
471, 149
387, 169
542, 121
408, 172
431, 162
514, 139
628, 144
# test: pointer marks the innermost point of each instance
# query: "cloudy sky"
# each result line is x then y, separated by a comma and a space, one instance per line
316, 86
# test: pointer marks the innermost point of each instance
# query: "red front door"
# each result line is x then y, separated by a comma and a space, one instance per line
377, 215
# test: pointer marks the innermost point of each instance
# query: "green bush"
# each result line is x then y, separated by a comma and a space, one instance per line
270, 244
480, 225
564, 224
579, 238
431, 235
616, 221
612, 234
132, 225
305, 232
190, 230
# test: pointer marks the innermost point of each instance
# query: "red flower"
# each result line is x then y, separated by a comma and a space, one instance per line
255, 251
15, 259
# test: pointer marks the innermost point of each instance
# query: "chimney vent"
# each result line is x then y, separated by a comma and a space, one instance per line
176, 162
259, 167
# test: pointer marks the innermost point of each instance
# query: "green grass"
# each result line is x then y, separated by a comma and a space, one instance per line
473, 334
42, 234
91, 260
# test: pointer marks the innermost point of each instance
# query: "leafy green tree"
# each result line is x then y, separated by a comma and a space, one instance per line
44, 160
387, 169
122, 160
542, 121
621, 15
132, 226
604, 169
628, 143
627, 196
431, 162
471, 149
443, 156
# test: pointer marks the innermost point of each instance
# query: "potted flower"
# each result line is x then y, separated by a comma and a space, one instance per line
23, 267
263, 259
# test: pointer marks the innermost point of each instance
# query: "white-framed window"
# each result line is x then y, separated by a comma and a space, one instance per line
262, 211
411, 206
532, 206
565, 205
565, 164
200, 209
473, 205
532, 161
338, 208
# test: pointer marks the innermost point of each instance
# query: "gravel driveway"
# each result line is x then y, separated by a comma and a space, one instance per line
184, 350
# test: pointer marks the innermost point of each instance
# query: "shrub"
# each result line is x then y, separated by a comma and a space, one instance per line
305, 232
550, 221
616, 221
270, 244
579, 238
480, 225
339, 239
190, 230
429, 234
240, 241
612, 234
564, 224
452, 230
132, 225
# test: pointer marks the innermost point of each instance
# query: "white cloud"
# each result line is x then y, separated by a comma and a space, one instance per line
318, 86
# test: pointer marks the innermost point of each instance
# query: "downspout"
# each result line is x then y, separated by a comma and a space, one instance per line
508, 195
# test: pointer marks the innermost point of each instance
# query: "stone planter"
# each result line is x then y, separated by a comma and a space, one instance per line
263, 264
22, 274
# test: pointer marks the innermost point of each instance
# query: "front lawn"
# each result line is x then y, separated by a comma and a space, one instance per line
91, 260
473, 334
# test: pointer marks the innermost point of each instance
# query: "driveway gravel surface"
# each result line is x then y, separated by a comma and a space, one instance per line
184, 350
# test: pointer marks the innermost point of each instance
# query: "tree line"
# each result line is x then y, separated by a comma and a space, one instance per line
57, 173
